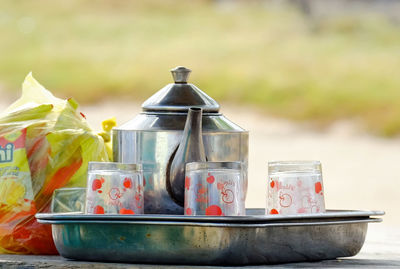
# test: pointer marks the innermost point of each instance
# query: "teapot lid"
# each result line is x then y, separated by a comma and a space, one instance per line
180, 96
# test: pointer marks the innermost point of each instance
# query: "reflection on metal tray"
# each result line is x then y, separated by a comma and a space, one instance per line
253, 215
208, 243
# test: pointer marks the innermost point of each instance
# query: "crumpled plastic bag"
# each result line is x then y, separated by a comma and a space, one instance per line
45, 144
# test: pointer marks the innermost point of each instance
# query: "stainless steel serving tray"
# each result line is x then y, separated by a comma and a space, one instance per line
252, 215
270, 241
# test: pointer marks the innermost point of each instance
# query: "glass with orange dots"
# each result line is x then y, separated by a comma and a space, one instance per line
214, 189
114, 188
295, 187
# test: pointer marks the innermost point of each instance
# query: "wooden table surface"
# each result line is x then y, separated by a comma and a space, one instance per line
381, 250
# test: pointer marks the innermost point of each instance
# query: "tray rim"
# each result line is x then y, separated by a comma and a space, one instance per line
330, 214
212, 224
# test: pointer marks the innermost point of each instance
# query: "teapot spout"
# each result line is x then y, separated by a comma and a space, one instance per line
190, 149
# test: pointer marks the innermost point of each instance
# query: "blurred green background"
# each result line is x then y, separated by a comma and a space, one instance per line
283, 60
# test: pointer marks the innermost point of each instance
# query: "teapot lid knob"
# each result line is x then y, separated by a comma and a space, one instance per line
180, 74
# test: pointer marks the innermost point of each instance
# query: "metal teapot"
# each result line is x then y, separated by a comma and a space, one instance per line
153, 138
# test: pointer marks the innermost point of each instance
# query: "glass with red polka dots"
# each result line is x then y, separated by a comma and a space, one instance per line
295, 187
214, 189
114, 188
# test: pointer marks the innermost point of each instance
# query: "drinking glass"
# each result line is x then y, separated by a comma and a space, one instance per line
295, 187
114, 188
68, 200
214, 189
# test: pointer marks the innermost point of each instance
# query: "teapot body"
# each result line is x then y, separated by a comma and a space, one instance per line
152, 140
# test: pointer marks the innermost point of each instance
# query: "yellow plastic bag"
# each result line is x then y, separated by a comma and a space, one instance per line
46, 145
